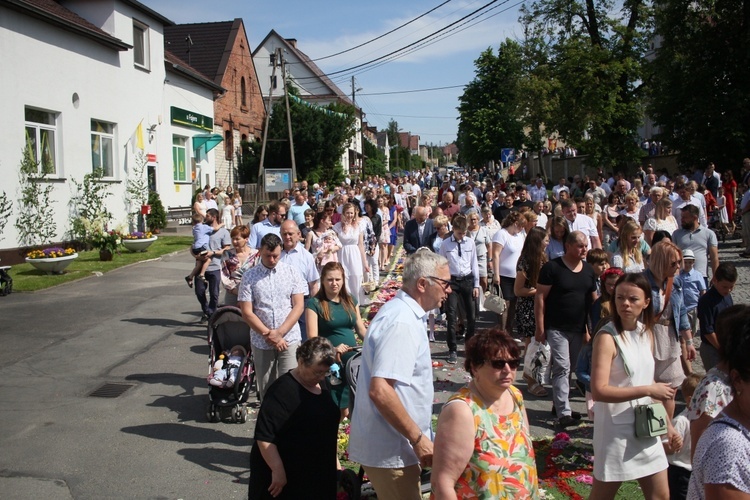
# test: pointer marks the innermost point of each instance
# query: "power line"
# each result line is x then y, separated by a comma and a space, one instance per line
411, 44
384, 34
412, 91
408, 116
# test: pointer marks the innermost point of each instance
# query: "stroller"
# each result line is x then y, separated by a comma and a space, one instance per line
227, 329
352, 373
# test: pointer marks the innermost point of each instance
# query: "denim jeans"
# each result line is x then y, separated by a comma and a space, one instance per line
463, 290
564, 347
214, 280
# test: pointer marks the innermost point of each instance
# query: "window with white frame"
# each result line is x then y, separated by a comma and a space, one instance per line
41, 137
141, 46
102, 147
179, 158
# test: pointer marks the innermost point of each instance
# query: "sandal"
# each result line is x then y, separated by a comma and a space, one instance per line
534, 388
189, 281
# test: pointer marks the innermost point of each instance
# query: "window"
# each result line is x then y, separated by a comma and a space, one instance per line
273, 82
141, 46
243, 94
41, 128
102, 147
179, 158
228, 144
272, 59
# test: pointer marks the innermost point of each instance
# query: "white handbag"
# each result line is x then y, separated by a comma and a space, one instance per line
493, 300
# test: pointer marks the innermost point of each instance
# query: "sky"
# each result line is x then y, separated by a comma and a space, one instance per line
326, 27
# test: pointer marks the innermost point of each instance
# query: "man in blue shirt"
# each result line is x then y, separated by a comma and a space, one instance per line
272, 224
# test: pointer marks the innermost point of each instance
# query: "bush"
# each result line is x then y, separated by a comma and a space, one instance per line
157, 219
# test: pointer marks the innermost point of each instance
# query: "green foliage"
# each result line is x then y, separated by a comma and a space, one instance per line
489, 107
320, 139
583, 64
374, 159
392, 131
698, 91
157, 219
88, 206
248, 161
6, 208
35, 222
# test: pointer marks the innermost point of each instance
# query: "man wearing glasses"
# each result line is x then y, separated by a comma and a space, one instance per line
461, 253
391, 434
271, 225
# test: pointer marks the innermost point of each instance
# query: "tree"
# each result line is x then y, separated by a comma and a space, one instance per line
488, 109
374, 159
392, 130
321, 136
698, 90
595, 56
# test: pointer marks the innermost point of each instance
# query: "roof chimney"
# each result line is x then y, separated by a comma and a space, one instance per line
292, 42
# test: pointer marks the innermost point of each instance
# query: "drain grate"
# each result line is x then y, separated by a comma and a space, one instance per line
110, 390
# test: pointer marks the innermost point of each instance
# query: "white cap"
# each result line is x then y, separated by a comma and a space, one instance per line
688, 254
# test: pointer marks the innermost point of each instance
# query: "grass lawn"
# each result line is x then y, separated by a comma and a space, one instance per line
27, 279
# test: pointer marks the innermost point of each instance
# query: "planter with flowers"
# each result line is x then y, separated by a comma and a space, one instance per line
107, 242
51, 260
138, 241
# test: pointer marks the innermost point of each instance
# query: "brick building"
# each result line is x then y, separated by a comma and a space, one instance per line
222, 53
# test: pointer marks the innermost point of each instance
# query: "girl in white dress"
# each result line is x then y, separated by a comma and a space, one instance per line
352, 253
227, 213
622, 376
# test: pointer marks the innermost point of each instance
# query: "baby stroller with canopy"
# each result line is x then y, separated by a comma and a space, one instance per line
228, 332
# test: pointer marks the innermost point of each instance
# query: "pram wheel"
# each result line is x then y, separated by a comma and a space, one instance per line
212, 415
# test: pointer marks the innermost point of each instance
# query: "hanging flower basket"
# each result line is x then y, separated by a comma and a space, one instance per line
52, 260
138, 241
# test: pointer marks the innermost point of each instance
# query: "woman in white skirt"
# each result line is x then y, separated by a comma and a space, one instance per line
622, 376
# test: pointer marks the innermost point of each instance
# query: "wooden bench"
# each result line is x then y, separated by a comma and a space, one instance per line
6, 282
182, 216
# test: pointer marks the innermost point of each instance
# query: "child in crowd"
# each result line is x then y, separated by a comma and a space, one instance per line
680, 465
601, 309
693, 287
718, 298
583, 376
201, 233
600, 262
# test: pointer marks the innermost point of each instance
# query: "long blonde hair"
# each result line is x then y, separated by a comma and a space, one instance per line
627, 229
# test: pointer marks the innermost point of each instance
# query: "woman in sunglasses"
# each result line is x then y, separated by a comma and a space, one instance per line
471, 456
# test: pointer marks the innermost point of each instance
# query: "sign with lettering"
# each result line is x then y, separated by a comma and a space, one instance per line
277, 179
191, 119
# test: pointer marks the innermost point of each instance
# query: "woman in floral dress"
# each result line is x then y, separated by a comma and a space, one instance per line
483, 448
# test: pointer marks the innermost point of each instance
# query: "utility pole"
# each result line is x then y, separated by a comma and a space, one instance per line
261, 174
361, 127
288, 116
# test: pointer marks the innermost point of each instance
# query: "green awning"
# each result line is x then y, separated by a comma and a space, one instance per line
207, 141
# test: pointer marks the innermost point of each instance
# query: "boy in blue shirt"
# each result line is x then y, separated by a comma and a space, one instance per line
718, 298
693, 288
201, 234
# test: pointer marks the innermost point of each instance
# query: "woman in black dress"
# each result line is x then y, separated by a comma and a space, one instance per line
294, 455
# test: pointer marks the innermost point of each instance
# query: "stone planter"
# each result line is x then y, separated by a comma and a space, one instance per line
55, 265
105, 255
138, 245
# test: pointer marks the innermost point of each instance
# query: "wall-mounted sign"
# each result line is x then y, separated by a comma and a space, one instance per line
191, 119
277, 179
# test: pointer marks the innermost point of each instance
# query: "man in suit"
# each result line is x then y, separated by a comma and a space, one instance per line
417, 230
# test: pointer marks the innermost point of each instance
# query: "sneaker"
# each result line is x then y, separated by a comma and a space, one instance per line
189, 281
452, 357
204, 318
573, 414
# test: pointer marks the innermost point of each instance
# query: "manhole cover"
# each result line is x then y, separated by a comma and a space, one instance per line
110, 390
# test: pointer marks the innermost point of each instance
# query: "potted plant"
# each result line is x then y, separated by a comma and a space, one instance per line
138, 241
52, 260
106, 242
157, 219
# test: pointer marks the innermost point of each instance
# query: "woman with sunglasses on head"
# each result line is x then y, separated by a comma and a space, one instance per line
471, 456
622, 375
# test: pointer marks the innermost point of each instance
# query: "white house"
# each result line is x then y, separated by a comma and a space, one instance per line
81, 78
314, 86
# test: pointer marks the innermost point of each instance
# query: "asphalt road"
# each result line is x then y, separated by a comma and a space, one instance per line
139, 326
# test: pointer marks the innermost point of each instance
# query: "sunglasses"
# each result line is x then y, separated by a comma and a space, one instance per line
499, 364
445, 283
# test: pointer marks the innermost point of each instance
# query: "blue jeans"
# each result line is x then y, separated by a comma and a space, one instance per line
564, 347
214, 280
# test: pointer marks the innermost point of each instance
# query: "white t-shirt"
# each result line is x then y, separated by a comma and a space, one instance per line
682, 426
586, 225
512, 246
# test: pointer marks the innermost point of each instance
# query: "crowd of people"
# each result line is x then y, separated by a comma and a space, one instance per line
620, 272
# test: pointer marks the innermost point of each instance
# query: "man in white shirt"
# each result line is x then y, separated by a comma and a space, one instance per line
684, 198
294, 254
538, 192
391, 433
560, 187
580, 222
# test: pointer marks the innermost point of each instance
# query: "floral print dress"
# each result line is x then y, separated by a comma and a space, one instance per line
503, 463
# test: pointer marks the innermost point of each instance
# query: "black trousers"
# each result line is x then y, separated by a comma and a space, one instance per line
463, 289
679, 479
